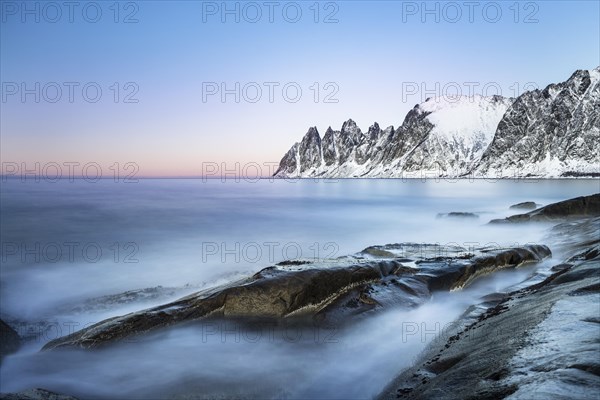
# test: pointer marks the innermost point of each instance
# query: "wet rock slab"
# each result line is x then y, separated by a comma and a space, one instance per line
537, 342
399, 275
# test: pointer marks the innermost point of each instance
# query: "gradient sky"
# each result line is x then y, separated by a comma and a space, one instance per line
370, 54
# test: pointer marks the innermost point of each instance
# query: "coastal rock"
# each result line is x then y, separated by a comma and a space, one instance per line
317, 291
526, 340
585, 206
526, 205
458, 214
460, 273
274, 292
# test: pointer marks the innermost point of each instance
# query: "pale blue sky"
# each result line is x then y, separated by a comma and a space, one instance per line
372, 52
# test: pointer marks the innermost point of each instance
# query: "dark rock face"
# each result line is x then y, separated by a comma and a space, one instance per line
526, 205
330, 155
310, 149
585, 206
319, 293
553, 132
9, 340
289, 162
35, 394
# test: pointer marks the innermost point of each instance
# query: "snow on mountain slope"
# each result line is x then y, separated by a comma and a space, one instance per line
465, 117
554, 132
462, 130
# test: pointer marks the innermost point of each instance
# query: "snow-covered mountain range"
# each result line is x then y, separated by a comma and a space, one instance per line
554, 132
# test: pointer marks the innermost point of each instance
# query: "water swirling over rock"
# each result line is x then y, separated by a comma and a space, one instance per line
318, 291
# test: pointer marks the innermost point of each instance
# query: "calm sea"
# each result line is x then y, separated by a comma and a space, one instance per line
66, 242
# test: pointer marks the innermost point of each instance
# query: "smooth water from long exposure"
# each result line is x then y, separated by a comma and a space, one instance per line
65, 243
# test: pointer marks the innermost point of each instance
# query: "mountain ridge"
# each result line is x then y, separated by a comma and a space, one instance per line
553, 132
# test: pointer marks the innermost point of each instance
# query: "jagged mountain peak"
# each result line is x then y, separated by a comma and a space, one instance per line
349, 128
348, 124
374, 131
312, 133
582, 74
375, 126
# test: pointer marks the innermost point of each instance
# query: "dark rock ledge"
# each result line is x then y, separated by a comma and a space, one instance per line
315, 292
579, 207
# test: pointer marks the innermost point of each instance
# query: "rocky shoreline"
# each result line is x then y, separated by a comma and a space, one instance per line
481, 356
475, 358
316, 292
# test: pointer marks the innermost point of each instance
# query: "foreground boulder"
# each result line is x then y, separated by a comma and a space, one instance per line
322, 292
579, 207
